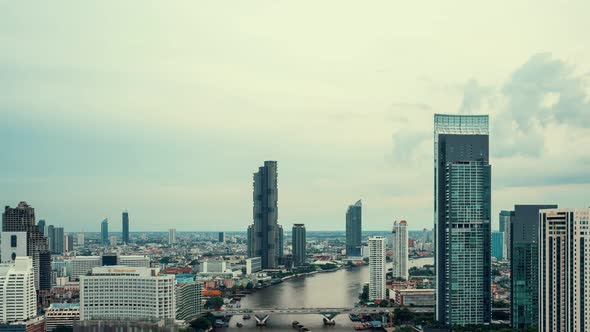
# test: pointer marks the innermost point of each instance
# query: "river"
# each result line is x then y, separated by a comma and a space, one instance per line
322, 290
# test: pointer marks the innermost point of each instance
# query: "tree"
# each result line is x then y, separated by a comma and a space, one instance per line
364, 296
201, 324
250, 285
214, 302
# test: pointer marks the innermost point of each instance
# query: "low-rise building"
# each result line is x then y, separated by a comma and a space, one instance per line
414, 297
61, 314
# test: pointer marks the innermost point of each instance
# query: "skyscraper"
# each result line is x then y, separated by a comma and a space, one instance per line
250, 241
377, 268
171, 236
498, 245
41, 225
299, 243
354, 220
50, 235
462, 201
58, 240
524, 265
564, 266
399, 242
265, 233
505, 221
69, 243
125, 224
280, 244
18, 300
104, 231
221, 236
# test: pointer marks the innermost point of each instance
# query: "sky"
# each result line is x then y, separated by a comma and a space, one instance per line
165, 109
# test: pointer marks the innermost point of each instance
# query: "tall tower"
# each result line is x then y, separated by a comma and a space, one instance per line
125, 224
58, 240
354, 221
377, 268
399, 241
265, 233
564, 266
462, 201
22, 219
172, 236
524, 265
104, 231
298, 242
505, 219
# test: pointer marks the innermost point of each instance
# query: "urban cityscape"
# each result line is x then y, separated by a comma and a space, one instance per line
282, 166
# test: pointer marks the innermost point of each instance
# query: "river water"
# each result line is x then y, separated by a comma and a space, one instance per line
322, 290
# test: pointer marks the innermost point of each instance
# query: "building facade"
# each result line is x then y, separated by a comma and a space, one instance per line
354, 229
58, 240
172, 236
189, 299
104, 231
299, 243
399, 242
121, 292
524, 265
125, 225
221, 237
377, 268
61, 315
505, 219
17, 290
498, 245
462, 203
564, 267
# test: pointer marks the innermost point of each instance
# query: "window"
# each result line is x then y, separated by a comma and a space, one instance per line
13, 242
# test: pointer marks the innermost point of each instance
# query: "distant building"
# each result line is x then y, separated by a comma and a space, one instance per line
354, 229
189, 299
18, 298
113, 240
172, 236
505, 222
414, 297
221, 236
125, 225
214, 266
564, 245
80, 240
281, 244
250, 241
399, 242
69, 243
134, 261
41, 225
299, 243
121, 292
135, 325
253, 265
61, 315
498, 245
104, 231
58, 244
377, 268
83, 265
524, 265
50, 235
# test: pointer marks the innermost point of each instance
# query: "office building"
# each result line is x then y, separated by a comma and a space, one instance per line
299, 242
104, 231
462, 202
41, 225
354, 218
171, 236
253, 265
22, 219
125, 227
58, 241
121, 292
189, 298
50, 235
414, 297
399, 243
564, 267
505, 221
265, 238
69, 243
498, 245
250, 241
83, 265
377, 268
524, 265
221, 237
61, 315
80, 240
280, 244
134, 261
17, 290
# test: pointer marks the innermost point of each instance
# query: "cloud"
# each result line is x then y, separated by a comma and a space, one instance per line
474, 96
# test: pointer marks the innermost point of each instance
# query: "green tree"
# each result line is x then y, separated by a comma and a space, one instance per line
201, 324
214, 302
364, 296
250, 285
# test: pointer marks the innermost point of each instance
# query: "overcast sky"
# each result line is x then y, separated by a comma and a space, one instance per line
167, 108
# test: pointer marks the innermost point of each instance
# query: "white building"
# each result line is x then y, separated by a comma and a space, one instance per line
253, 265
214, 266
14, 244
134, 261
399, 241
377, 268
171, 236
564, 267
17, 290
80, 239
189, 299
114, 292
82, 265
61, 314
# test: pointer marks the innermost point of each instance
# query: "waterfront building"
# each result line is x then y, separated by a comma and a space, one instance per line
125, 226
265, 233
172, 236
189, 297
377, 268
354, 219
22, 219
121, 292
498, 245
61, 315
299, 242
17, 290
414, 297
221, 237
462, 202
505, 219
564, 267
104, 231
253, 265
524, 265
399, 242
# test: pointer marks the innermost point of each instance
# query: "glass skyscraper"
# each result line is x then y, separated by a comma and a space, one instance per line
462, 201
125, 224
498, 245
354, 222
104, 231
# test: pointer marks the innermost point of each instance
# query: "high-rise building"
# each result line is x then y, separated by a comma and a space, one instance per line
354, 219
104, 231
280, 244
564, 267
189, 298
399, 242
221, 237
462, 202
120, 292
505, 221
80, 240
377, 269
50, 235
125, 225
18, 298
265, 233
41, 225
171, 236
69, 243
250, 241
524, 266
58, 240
299, 243
498, 245
22, 219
